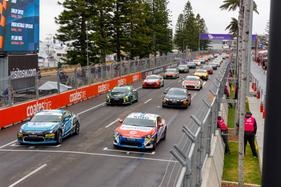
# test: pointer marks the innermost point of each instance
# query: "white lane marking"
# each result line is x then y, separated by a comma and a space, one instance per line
147, 101
12, 142
204, 83
128, 152
28, 175
85, 111
193, 95
158, 106
138, 88
90, 154
112, 123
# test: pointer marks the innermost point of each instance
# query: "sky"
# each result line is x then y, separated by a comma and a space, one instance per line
216, 19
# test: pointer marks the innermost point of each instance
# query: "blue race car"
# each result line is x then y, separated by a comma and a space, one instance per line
49, 127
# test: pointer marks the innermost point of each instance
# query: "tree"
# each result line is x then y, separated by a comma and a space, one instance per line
72, 29
188, 29
233, 27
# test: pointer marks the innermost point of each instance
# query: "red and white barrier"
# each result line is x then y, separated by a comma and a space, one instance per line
20, 112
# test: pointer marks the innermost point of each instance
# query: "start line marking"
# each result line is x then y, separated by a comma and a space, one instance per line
90, 154
28, 175
128, 152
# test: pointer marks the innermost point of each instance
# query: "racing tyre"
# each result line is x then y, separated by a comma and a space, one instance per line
77, 129
165, 133
59, 137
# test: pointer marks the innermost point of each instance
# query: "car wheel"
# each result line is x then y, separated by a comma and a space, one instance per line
154, 144
137, 98
164, 135
59, 137
77, 128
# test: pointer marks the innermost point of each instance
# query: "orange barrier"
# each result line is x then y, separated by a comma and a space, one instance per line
23, 111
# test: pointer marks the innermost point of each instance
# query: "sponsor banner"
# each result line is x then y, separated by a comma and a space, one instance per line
28, 109
209, 36
22, 69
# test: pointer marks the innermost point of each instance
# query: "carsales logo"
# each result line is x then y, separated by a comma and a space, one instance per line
38, 106
77, 96
135, 78
121, 82
103, 88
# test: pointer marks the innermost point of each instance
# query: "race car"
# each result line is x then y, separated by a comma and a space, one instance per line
171, 73
176, 97
202, 73
140, 130
191, 65
192, 83
49, 127
209, 69
183, 68
122, 95
153, 81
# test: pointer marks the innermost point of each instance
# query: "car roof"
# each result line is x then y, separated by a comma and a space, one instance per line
180, 89
192, 77
51, 112
128, 87
143, 115
158, 76
201, 70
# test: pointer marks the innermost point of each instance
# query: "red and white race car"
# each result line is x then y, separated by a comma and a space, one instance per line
192, 83
140, 130
153, 81
171, 73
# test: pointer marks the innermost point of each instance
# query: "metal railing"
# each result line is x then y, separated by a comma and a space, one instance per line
195, 144
63, 79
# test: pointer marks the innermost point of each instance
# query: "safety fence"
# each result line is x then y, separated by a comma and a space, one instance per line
195, 145
61, 80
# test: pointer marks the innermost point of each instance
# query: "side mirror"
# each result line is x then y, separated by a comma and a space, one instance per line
120, 120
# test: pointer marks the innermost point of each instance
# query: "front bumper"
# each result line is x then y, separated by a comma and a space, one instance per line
176, 104
35, 139
136, 143
192, 87
151, 85
117, 101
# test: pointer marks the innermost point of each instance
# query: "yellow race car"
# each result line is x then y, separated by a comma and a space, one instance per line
202, 73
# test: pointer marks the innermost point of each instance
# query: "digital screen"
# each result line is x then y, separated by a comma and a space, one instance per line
19, 25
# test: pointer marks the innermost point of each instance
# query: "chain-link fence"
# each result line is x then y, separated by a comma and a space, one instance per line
195, 144
56, 80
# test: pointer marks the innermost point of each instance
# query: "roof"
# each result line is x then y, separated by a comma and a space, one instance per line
52, 85
141, 115
192, 77
51, 112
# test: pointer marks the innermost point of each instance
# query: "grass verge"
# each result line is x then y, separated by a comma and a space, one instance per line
251, 166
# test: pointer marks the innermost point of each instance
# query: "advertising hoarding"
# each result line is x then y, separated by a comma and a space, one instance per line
19, 25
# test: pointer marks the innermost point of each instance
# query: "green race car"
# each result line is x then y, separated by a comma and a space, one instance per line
120, 95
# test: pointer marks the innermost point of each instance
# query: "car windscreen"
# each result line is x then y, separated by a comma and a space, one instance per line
139, 122
120, 90
171, 70
152, 77
176, 92
182, 66
201, 71
191, 78
46, 118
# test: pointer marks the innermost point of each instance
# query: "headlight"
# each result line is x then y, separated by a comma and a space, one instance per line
126, 98
50, 135
20, 131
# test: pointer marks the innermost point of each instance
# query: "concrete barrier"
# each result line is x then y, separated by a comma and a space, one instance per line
213, 167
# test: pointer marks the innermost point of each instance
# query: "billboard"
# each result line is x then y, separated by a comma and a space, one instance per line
19, 25
208, 36
22, 71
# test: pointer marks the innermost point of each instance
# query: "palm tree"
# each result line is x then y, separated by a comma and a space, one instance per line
233, 27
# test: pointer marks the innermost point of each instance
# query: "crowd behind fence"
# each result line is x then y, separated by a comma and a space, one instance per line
61, 79
195, 143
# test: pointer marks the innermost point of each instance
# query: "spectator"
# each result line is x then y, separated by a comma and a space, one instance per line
250, 129
224, 133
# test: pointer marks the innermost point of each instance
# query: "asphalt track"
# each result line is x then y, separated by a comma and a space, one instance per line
89, 159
